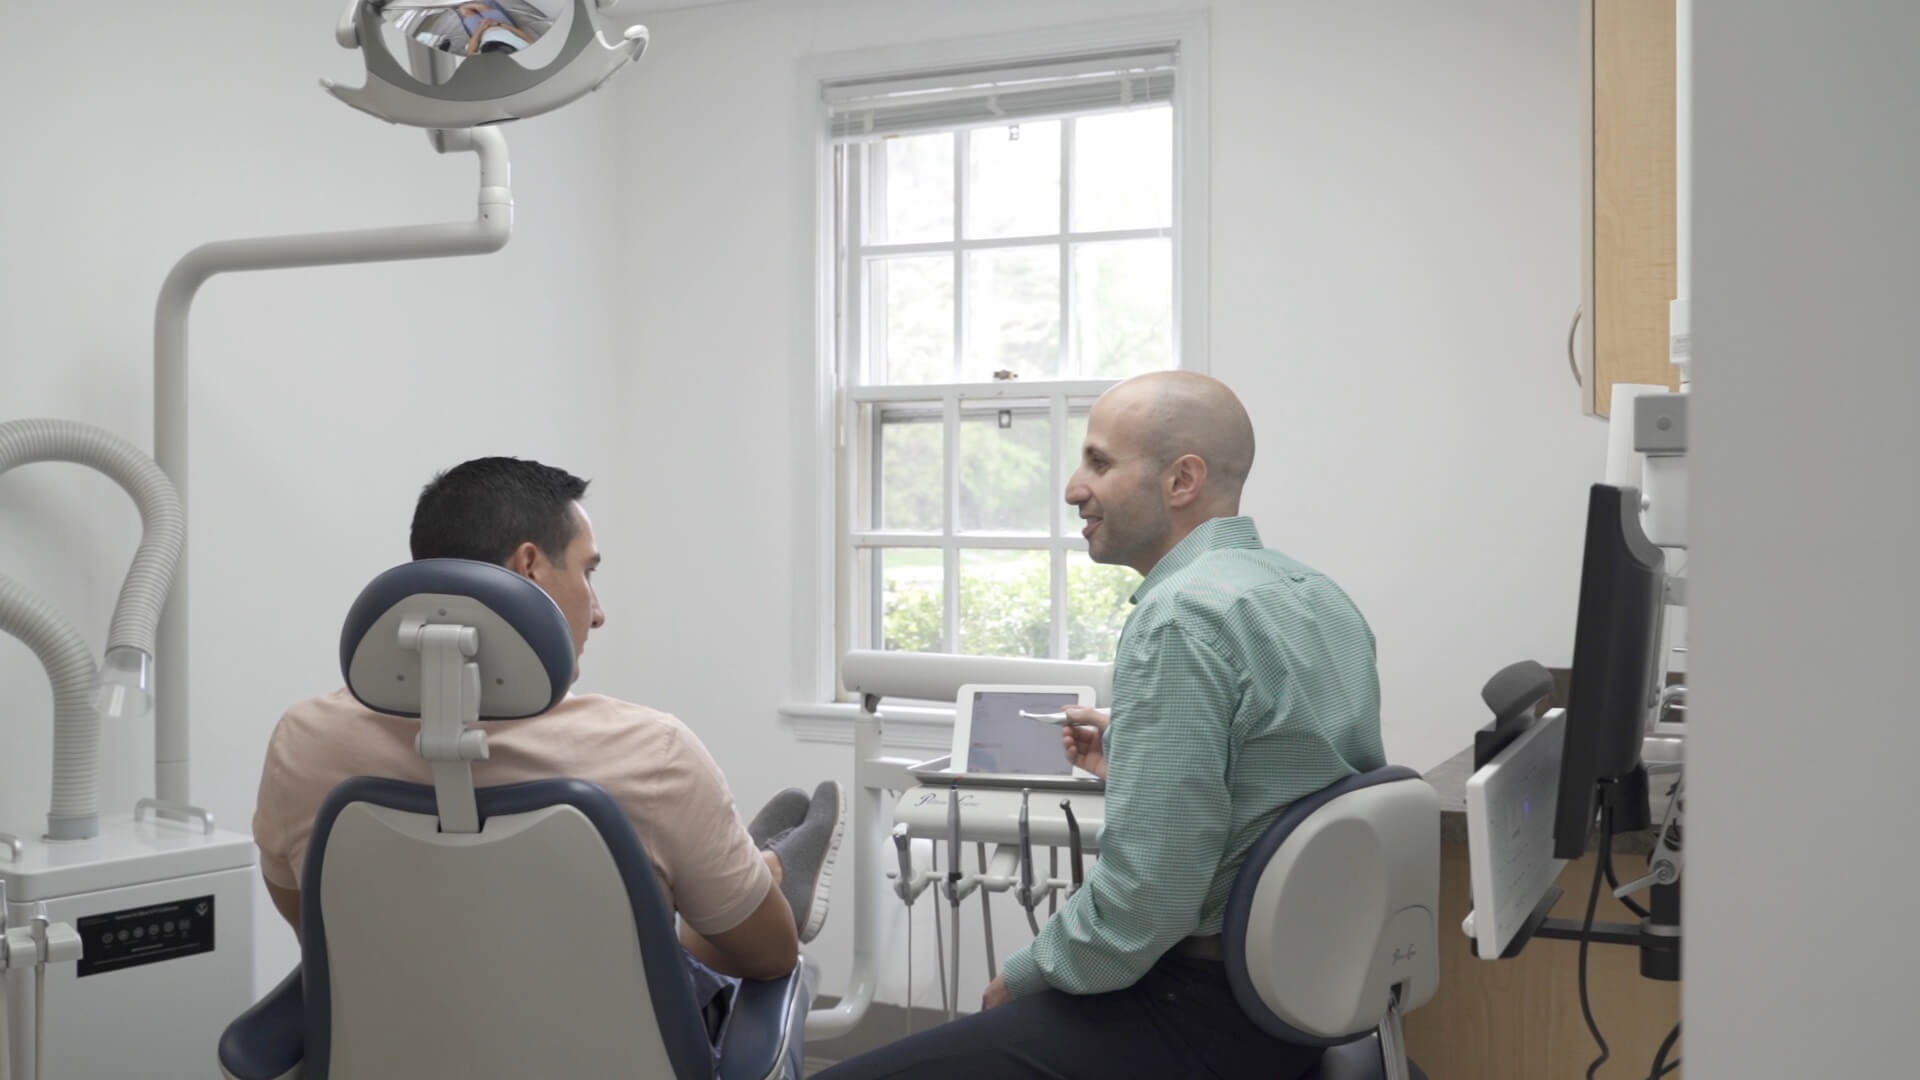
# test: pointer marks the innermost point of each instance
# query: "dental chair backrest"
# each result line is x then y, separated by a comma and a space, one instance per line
510, 932
1332, 925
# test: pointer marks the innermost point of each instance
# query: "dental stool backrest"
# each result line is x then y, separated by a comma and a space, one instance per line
1331, 928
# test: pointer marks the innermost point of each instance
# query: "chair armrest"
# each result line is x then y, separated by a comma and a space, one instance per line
269, 1040
764, 1032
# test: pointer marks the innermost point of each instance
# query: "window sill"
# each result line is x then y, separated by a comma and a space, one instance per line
908, 727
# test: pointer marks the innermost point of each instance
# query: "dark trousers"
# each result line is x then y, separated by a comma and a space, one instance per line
1180, 1020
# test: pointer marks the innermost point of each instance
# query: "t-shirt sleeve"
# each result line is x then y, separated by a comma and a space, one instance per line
275, 820
716, 876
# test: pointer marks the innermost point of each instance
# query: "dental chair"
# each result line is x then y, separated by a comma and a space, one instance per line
1331, 928
512, 931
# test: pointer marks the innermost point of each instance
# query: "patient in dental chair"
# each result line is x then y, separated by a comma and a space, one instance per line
747, 893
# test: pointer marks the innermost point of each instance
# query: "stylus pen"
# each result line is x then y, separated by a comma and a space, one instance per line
1057, 718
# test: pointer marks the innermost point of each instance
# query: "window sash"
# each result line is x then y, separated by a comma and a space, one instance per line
925, 105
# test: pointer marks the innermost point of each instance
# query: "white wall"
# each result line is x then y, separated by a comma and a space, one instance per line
322, 399
1395, 257
1801, 885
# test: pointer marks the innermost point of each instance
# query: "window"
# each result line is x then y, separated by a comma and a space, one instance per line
1006, 245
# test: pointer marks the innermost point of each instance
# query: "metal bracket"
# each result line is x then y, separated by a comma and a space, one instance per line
1393, 1042
175, 811
14, 847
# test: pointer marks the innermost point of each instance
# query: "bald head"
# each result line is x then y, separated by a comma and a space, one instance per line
1176, 413
1164, 453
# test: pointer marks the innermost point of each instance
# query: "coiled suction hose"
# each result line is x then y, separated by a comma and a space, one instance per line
75, 813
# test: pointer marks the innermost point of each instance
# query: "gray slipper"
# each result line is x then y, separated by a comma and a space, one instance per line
782, 812
806, 857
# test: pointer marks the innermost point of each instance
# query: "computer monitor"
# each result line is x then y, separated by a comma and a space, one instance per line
1615, 660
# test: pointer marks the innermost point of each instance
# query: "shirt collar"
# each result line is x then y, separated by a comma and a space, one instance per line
1213, 534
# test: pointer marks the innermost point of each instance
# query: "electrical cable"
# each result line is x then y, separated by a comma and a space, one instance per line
1661, 1066
1586, 940
909, 966
40, 1016
939, 946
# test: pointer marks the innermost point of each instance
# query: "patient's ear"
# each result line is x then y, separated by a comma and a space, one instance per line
524, 559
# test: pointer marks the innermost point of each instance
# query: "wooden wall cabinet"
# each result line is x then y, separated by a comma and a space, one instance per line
1627, 197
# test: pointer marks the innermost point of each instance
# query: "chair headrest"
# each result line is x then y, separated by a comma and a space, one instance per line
526, 657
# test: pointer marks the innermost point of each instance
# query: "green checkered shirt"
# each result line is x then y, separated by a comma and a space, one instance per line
1243, 680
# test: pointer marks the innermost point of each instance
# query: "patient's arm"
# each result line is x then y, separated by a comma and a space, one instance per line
766, 945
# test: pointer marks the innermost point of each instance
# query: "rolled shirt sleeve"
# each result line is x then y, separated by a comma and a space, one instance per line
1167, 821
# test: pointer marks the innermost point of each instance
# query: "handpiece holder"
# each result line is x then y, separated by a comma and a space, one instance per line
960, 885
908, 884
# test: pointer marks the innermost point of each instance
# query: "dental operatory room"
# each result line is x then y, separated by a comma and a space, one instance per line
762, 539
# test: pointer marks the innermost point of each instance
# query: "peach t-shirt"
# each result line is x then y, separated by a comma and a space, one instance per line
652, 765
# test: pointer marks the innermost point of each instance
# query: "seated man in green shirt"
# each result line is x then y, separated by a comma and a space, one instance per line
1243, 681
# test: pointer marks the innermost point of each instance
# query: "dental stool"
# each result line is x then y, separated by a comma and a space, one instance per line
513, 931
1331, 928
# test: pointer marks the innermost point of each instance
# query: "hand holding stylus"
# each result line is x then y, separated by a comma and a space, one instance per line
1084, 739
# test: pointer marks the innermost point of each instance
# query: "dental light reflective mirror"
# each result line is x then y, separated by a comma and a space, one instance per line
478, 27
473, 62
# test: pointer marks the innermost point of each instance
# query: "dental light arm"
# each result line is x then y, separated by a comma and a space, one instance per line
124, 686
488, 232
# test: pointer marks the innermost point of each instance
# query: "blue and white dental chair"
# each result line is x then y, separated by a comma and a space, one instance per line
514, 931
1332, 925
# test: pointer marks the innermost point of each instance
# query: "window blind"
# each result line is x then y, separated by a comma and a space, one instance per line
874, 108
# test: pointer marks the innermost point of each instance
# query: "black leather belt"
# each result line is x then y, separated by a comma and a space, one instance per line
1211, 947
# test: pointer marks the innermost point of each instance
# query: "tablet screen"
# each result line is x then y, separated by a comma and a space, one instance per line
1004, 742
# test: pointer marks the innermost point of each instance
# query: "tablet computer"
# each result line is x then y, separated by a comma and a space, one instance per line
1510, 805
996, 733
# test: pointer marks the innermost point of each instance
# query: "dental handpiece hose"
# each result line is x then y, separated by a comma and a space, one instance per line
1073, 840
953, 895
1027, 899
986, 915
903, 851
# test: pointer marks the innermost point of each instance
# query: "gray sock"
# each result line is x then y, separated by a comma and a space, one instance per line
782, 812
806, 854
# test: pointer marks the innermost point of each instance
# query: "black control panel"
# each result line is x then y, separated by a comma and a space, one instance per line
117, 940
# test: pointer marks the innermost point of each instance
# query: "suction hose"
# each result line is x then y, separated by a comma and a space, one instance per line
75, 813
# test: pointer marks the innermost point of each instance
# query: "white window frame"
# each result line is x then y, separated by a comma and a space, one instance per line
824, 619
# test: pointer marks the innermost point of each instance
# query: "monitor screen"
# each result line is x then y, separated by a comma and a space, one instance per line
1002, 742
1615, 662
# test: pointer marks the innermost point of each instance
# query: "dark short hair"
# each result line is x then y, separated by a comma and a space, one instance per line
485, 508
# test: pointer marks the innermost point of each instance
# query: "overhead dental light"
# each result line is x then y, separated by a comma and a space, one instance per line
479, 61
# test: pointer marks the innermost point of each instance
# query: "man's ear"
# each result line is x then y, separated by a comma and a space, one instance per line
1186, 480
524, 559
